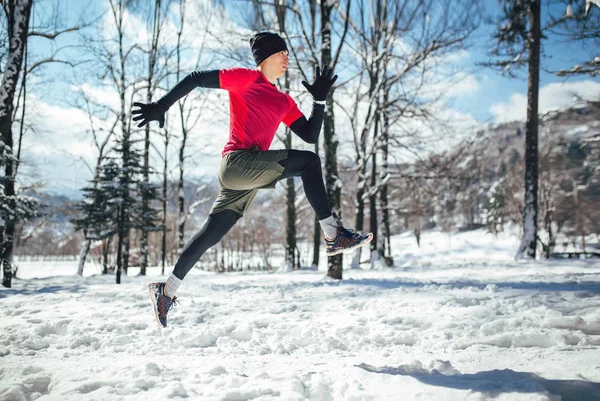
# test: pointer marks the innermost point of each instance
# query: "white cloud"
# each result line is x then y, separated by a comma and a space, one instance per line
455, 85
105, 95
449, 128
58, 144
515, 109
61, 145
458, 56
134, 29
466, 84
551, 96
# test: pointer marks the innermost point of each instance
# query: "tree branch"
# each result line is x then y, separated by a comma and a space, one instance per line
50, 60
52, 35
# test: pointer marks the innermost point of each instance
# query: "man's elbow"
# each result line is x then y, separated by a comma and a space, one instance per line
311, 138
313, 135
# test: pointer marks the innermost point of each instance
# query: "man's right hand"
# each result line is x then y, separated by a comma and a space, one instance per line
147, 113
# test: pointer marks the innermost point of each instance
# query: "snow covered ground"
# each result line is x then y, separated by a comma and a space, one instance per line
456, 319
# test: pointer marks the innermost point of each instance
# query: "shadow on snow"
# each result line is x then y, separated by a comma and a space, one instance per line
496, 382
589, 286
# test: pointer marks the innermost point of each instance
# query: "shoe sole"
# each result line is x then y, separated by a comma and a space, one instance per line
351, 248
154, 305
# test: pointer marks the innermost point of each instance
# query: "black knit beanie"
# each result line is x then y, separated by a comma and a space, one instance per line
265, 44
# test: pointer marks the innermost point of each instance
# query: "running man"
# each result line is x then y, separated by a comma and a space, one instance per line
257, 108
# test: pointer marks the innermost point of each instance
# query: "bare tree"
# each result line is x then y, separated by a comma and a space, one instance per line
391, 80
158, 10
262, 22
17, 14
166, 134
330, 142
187, 107
304, 26
310, 51
18, 29
184, 134
384, 239
116, 61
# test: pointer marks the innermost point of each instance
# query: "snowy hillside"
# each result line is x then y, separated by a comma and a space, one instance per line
456, 320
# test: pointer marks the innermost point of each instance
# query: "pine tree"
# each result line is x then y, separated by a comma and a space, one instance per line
518, 44
149, 218
112, 205
134, 215
129, 189
148, 190
495, 207
100, 207
581, 25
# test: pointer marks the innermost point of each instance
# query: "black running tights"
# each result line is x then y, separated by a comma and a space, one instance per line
299, 163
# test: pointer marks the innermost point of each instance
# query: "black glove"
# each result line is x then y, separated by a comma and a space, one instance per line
323, 83
149, 112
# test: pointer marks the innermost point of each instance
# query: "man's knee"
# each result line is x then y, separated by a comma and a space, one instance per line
312, 159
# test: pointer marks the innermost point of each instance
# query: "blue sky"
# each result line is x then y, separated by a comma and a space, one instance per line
493, 86
487, 95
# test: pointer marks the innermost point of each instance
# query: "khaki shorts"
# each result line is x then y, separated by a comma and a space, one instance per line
243, 173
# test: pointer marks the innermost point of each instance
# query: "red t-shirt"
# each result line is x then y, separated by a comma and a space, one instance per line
256, 109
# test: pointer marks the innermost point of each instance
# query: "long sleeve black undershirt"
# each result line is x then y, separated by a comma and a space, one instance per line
202, 79
308, 130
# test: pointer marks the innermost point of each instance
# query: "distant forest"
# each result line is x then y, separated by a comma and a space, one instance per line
476, 185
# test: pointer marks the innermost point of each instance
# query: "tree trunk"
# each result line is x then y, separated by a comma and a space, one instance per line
83, 255
146, 168
145, 198
528, 245
548, 220
333, 184
105, 252
417, 232
316, 233
164, 206
291, 245
373, 194
2, 253
316, 243
578, 224
317, 226
385, 214
360, 205
180, 188
124, 225
120, 247
184, 132
18, 13
291, 223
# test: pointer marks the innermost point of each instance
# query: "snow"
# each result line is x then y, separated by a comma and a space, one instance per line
456, 319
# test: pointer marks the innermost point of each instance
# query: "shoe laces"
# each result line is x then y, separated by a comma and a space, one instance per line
348, 231
172, 303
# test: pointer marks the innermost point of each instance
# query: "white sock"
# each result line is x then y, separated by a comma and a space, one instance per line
329, 227
172, 285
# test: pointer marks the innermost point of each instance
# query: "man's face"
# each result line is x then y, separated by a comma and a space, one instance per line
277, 63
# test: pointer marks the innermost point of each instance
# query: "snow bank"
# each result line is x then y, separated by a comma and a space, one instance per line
441, 325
